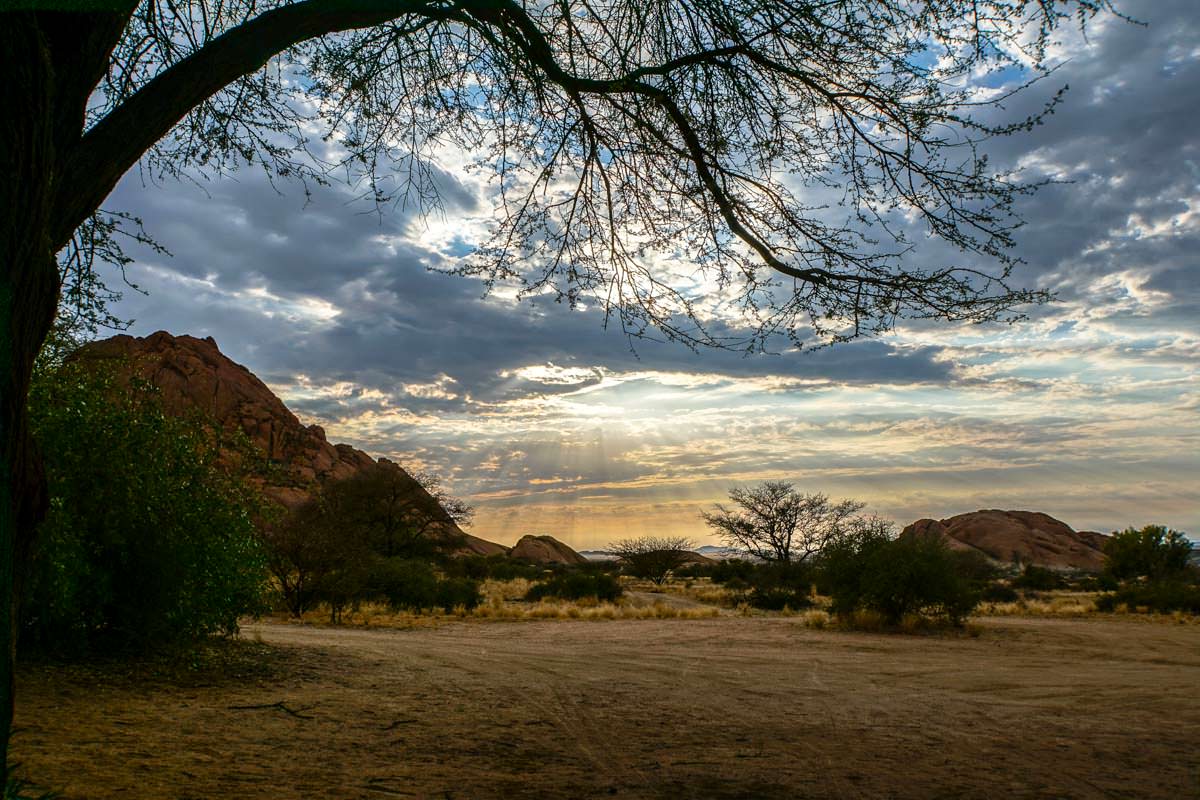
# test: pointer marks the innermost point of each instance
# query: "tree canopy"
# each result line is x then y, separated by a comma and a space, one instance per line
772, 147
775, 522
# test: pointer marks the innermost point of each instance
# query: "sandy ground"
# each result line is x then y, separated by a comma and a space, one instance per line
721, 708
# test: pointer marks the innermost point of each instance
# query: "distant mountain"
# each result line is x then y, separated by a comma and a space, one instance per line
597, 555
719, 552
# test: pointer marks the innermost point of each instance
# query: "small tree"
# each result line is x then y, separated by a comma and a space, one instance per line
774, 522
870, 569
341, 547
149, 540
1154, 552
652, 557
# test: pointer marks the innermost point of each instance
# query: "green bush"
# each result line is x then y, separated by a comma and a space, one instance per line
497, 567
577, 586
1155, 596
413, 585
1039, 579
1095, 583
454, 592
975, 567
732, 569
780, 585
148, 540
896, 577
1153, 552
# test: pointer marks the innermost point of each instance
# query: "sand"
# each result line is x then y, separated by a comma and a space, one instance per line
720, 708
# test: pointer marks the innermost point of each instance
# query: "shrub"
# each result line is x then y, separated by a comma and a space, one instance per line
999, 593
1096, 583
149, 540
974, 566
732, 569
652, 557
1156, 596
577, 586
896, 578
497, 567
452, 593
1153, 552
1039, 579
780, 585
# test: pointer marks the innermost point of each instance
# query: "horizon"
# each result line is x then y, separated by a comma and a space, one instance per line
545, 421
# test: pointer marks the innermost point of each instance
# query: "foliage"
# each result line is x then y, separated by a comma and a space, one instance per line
392, 513
731, 569
577, 585
413, 585
652, 557
148, 540
1153, 552
1095, 583
1039, 579
778, 585
975, 567
495, 567
1155, 596
340, 547
869, 570
775, 522
999, 593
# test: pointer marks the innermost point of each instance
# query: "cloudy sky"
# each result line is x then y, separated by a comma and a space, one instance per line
1090, 411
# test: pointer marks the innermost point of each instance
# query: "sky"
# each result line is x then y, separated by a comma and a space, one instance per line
549, 424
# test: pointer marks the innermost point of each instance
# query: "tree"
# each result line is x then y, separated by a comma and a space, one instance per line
397, 514
149, 540
616, 131
1154, 552
774, 522
653, 557
869, 568
331, 548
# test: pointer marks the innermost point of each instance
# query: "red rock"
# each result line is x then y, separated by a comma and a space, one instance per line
545, 550
193, 375
1029, 537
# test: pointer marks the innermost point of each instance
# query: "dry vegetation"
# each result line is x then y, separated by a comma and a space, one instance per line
696, 599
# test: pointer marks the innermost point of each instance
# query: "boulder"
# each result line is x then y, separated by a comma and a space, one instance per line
545, 550
1029, 537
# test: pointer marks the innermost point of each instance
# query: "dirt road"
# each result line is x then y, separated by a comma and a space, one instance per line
719, 708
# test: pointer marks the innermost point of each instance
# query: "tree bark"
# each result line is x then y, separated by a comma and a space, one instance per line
29, 288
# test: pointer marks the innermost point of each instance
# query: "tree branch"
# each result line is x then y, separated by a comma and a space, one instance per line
116, 143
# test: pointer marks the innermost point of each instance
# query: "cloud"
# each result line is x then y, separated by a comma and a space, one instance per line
553, 422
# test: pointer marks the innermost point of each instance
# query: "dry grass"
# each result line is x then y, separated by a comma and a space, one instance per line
582, 609
503, 600
1062, 604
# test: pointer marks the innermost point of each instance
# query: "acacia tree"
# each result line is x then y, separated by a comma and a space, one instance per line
616, 131
774, 522
380, 513
653, 557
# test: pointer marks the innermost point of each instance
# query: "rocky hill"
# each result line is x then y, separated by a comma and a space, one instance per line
545, 550
1029, 537
193, 375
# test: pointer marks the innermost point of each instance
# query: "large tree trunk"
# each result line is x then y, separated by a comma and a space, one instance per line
28, 297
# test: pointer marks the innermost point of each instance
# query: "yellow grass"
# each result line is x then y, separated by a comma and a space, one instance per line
1066, 604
